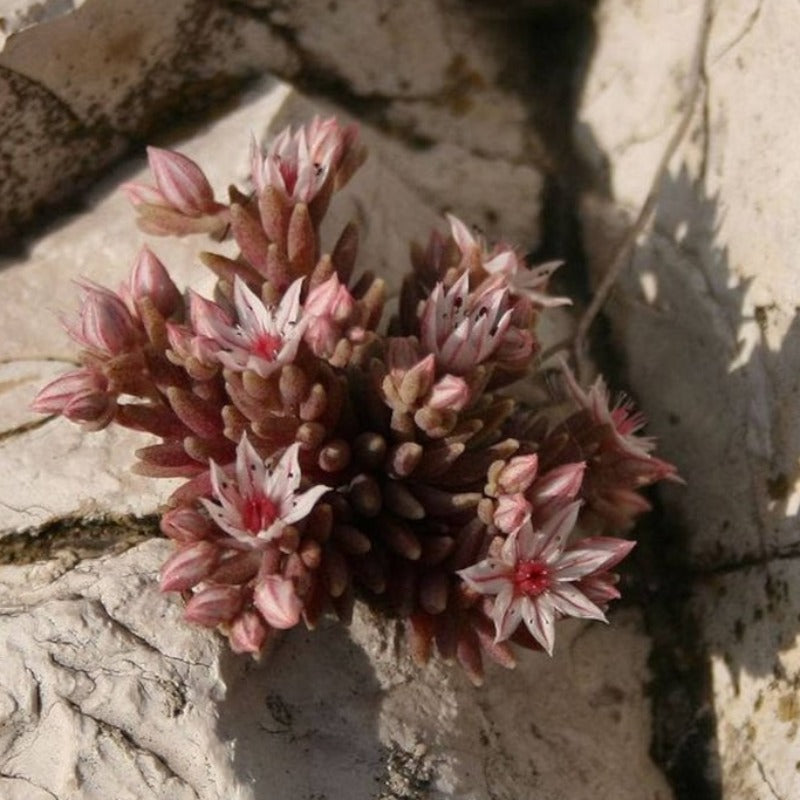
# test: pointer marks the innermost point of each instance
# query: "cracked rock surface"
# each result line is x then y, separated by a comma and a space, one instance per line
104, 692
432, 72
707, 318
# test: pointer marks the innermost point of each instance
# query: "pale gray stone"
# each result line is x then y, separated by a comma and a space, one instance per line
436, 74
706, 317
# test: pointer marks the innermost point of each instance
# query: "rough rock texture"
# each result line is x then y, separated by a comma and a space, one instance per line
68, 115
446, 74
105, 693
707, 319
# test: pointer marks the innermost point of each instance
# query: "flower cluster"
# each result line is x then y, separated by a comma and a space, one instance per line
329, 457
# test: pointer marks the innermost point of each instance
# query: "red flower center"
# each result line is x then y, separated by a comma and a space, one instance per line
267, 346
532, 578
258, 513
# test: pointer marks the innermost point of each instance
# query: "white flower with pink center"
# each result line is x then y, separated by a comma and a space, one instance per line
261, 498
462, 329
264, 339
534, 579
299, 163
503, 260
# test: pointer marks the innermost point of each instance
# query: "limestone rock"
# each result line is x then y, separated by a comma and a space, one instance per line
706, 316
437, 74
66, 116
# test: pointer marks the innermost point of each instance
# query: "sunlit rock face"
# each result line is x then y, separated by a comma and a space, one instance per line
706, 316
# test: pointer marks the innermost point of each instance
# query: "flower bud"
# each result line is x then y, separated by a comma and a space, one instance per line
449, 393
330, 299
94, 410
57, 394
181, 182
149, 278
247, 633
512, 512
275, 597
189, 566
327, 308
185, 525
214, 605
206, 316
104, 323
80, 395
518, 474
561, 483
416, 382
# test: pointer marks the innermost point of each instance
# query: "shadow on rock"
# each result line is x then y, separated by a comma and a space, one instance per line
303, 723
717, 379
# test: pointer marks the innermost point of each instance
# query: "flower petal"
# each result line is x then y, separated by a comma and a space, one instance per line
301, 505
489, 576
572, 602
252, 314
557, 529
590, 555
289, 308
250, 470
230, 521
283, 478
539, 616
506, 613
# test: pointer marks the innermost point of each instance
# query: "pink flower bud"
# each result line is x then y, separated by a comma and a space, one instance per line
104, 323
94, 411
512, 512
322, 336
206, 316
247, 633
330, 299
53, 398
149, 278
185, 525
186, 345
518, 474
181, 182
189, 566
214, 605
449, 393
81, 396
139, 194
275, 597
326, 309
562, 483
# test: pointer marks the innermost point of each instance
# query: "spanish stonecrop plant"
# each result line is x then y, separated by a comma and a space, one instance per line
329, 457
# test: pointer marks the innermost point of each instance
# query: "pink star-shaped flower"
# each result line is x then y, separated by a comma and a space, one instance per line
503, 260
264, 338
261, 498
534, 579
299, 163
462, 329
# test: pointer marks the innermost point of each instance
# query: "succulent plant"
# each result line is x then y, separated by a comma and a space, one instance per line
330, 455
